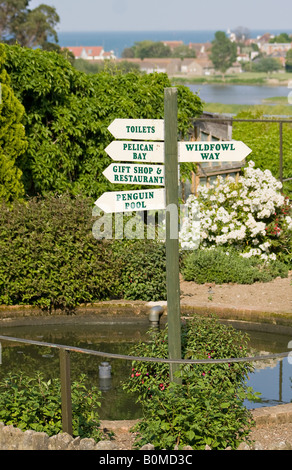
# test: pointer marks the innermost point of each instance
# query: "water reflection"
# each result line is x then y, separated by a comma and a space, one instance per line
271, 379
238, 94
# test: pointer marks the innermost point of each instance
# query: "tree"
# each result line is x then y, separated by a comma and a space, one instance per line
241, 33
183, 51
147, 48
29, 28
288, 63
12, 138
281, 38
223, 52
266, 64
67, 114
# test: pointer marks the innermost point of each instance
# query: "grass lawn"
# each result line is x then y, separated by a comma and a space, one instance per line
275, 109
244, 78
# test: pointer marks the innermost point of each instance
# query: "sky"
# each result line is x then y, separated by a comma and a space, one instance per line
178, 15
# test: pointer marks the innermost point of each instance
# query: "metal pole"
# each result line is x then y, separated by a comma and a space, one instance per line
66, 391
172, 242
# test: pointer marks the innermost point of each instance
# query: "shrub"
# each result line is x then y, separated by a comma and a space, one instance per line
49, 257
208, 407
33, 403
251, 215
67, 114
219, 266
143, 269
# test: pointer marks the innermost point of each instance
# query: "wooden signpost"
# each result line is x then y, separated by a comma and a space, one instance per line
170, 152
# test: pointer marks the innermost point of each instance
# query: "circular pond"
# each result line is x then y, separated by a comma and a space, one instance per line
272, 378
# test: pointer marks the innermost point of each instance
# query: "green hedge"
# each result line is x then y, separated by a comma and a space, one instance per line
143, 273
216, 266
49, 256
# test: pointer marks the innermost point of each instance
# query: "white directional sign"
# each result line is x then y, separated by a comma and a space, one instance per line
135, 174
137, 129
153, 152
221, 151
125, 151
128, 201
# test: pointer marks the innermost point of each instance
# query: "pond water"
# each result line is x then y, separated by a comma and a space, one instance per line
238, 94
272, 378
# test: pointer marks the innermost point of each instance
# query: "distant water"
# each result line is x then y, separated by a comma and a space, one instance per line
238, 94
119, 40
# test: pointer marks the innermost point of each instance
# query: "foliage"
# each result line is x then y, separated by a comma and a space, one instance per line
106, 65
281, 38
250, 215
152, 49
67, 115
265, 150
208, 407
288, 63
147, 48
29, 28
266, 64
49, 257
220, 267
143, 269
35, 404
12, 138
223, 52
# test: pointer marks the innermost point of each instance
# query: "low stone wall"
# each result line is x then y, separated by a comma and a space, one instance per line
12, 438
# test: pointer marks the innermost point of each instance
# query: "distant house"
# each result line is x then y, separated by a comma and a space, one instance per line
200, 66
159, 65
173, 44
202, 49
276, 47
91, 53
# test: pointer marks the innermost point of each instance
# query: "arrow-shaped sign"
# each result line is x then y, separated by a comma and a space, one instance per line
137, 129
129, 201
153, 152
220, 151
125, 151
135, 174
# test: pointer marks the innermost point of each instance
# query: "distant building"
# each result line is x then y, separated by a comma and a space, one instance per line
91, 53
276, 47
202, 49
173, 44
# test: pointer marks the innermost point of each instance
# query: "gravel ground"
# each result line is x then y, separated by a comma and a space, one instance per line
264, 437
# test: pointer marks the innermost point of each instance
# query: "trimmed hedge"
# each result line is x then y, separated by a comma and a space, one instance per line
143, 273
49, 257
217, 266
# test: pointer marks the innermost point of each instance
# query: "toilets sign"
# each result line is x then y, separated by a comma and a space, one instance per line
137, 129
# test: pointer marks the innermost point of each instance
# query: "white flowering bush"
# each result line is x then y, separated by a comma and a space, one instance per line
250, 215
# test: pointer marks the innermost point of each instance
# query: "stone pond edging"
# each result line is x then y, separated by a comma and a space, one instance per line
12, 438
